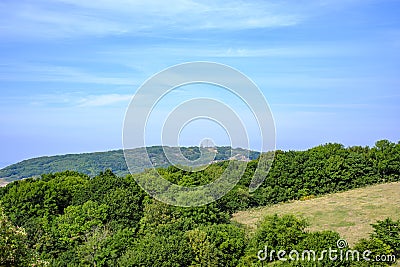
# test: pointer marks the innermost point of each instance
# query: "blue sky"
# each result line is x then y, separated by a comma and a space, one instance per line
329, 69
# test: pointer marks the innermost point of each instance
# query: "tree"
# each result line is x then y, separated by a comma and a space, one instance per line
318, 242
164, 246
217, 245
69, 230
204, 252
377, 248
389, 232
274, 233
280, 232
14, 250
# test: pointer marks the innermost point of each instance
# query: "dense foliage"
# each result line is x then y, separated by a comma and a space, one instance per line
72, 219
94, 163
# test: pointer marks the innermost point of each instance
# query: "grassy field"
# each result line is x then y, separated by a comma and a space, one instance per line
349, 213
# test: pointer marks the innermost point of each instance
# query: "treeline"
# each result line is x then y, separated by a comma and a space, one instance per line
296, 175
327, 168
71, 219
94, 163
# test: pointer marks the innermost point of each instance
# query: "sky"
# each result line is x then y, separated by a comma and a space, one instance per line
329, 69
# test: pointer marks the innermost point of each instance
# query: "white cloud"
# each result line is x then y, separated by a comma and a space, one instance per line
324, 106
104, 100
65, 18
68, 100
21, 71
197, 14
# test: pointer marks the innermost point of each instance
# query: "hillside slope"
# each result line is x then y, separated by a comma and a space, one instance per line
94, 163
349, 213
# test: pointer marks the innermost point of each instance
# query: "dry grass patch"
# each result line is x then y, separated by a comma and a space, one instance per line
349, 213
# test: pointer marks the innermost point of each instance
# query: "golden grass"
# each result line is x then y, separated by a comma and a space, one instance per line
349, 213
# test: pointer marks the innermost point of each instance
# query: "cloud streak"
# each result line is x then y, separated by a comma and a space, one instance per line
68, 100
58, 73
66, 18
104, 100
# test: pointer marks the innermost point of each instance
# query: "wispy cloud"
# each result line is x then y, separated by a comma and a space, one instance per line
104, 100
58, 73
294, 51
325, 106
71, 18
191, 14
68, 100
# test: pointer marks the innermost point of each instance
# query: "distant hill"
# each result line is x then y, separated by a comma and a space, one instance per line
94, 163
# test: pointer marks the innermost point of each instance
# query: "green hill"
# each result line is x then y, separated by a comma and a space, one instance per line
94, 163
71, 219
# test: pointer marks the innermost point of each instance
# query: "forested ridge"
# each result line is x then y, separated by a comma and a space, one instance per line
72, 219
96, 162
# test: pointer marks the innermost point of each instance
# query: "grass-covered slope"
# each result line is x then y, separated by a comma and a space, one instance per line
349, 213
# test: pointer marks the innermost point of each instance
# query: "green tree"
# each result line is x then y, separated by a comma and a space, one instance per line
163, 246
274, 233
389, 232
217, 245
312, 251
377, 248
14, 250
204, 251
69, 230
